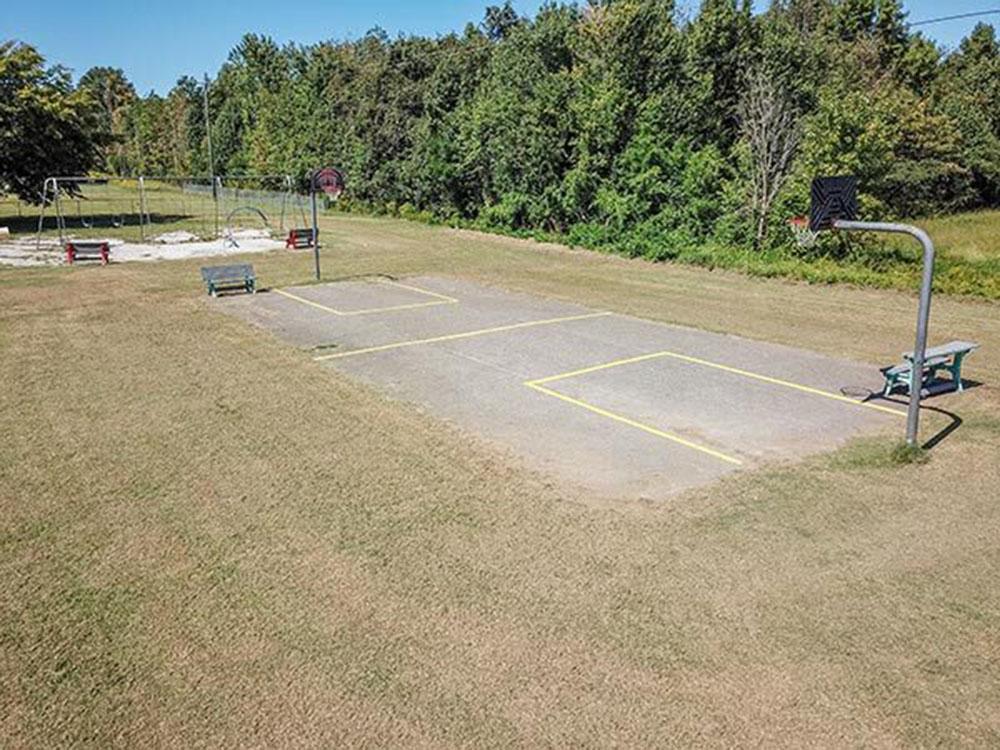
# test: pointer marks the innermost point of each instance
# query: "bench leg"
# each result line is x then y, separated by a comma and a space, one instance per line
956, 372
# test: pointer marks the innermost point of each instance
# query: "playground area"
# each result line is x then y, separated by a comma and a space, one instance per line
156, 218
620, 405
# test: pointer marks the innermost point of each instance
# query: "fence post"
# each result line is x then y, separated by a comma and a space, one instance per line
143, 209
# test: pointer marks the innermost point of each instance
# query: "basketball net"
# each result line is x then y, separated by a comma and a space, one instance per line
804, 236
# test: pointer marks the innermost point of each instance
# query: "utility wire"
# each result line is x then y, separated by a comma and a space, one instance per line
955, 18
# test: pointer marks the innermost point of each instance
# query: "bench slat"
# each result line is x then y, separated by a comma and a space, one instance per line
946, 350
220, 273
235, 276
947, 357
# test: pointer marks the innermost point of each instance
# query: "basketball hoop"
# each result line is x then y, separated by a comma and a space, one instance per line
804, 236
329, 181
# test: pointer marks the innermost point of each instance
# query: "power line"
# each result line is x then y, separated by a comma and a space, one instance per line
955, 18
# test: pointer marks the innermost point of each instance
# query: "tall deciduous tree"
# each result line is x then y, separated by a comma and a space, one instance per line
46, 127
114, 94
968, 92
770, 130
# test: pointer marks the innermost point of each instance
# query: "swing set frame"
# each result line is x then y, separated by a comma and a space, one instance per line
222, 196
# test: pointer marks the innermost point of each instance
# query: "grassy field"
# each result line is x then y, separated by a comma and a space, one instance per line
968, 244
968, 257
968, 236
208, 540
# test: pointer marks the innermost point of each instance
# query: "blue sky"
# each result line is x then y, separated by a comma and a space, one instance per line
157, 42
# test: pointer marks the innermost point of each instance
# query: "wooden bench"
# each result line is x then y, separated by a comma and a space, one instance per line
299, 238
239, 276
947, 357
87, 250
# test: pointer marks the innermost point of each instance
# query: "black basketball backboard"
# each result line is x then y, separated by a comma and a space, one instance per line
833, 198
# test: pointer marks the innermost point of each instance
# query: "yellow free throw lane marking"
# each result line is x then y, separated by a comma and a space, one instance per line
440, 299
633, 423
724, 368
463, 335
309, 302
428, 292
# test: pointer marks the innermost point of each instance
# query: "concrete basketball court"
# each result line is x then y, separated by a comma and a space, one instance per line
624, 406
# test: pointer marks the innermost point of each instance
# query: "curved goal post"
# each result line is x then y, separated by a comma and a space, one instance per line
834, 207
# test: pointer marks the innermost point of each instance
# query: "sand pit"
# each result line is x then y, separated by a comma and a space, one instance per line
26, 251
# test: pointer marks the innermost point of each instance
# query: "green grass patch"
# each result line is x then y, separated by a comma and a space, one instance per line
878, 453
968, 258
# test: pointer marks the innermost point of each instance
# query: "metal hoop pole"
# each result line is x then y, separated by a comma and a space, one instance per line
315, 219
923, 312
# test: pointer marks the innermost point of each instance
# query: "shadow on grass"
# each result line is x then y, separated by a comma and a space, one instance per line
954, 423
943, 434
29, 224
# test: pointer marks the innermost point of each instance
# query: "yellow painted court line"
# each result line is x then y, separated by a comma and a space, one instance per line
392, 308
401, 285
724, 368
440, 299
632, 423
309, 302
457, 336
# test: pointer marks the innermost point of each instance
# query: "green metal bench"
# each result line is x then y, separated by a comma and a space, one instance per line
235, 277
947, 358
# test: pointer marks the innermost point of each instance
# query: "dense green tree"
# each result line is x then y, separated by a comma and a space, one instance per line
500, 20
46, 127
618, 122
720, 57
517, 132
968, 94
113, 94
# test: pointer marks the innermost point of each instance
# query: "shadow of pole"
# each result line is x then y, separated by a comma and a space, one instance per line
956, 422
945, 432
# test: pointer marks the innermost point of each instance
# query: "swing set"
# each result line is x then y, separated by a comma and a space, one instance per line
169, 208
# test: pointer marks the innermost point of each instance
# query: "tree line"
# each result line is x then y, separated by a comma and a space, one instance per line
615, 123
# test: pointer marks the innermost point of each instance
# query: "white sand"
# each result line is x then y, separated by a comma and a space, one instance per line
169, 246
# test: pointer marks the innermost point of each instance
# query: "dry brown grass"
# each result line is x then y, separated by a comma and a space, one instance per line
206, 540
